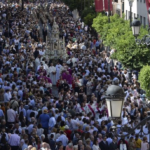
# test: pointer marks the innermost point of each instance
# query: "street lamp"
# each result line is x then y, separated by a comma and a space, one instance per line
114, 99
136, 27
136, 24
130, 4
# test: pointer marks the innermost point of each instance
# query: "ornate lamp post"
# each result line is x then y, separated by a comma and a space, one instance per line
136, 24
115, 100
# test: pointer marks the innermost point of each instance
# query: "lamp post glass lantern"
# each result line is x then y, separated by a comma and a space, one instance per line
136, 27
114, 100
114, 107
136, 30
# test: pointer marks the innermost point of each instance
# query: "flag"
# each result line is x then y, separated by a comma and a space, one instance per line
108, 4
98, 5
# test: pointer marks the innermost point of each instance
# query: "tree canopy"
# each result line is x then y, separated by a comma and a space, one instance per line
88, 14
144, 78
118, 35
78, 4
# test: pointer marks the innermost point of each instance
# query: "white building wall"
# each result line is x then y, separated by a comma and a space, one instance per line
139, 10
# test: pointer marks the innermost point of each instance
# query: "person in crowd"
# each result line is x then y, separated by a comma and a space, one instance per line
138, 142
144, 144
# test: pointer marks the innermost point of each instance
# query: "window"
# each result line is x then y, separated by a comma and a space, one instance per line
126, 15
141, 19
118, 11
144, 22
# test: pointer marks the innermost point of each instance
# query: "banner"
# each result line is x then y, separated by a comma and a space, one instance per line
107, 5
98, 5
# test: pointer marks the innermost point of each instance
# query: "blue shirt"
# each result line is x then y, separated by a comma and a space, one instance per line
97, 43
1, 113
44, 119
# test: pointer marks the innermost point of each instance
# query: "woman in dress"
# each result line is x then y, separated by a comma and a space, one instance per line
132, 144
95, 145
144, 144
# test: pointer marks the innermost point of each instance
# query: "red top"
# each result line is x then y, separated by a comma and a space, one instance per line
68, 134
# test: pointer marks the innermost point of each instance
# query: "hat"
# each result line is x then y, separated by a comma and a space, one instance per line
45, 111
66, 127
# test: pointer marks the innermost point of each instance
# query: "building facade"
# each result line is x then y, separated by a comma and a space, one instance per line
139, 10
118, 7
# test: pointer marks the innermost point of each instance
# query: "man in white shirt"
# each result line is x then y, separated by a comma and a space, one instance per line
14, 140
6, 96
109, 139
30, 127
20, 93
62, 138
52, 122
11, 116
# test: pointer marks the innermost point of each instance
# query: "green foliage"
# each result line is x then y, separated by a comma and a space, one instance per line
89, 19
118, 35
78, 4
144, 78
85, 7
87, 11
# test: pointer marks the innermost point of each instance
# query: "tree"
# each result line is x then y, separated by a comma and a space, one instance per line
118, 35
88, 19
78, 4
144, 78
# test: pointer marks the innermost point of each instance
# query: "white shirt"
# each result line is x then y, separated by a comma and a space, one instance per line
11, 115
52, 122
30, 128
42, 53
109, 140
63, 139
6, 97
20, 93
14, 140
95, 147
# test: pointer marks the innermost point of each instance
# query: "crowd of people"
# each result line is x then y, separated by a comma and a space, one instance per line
35, 117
